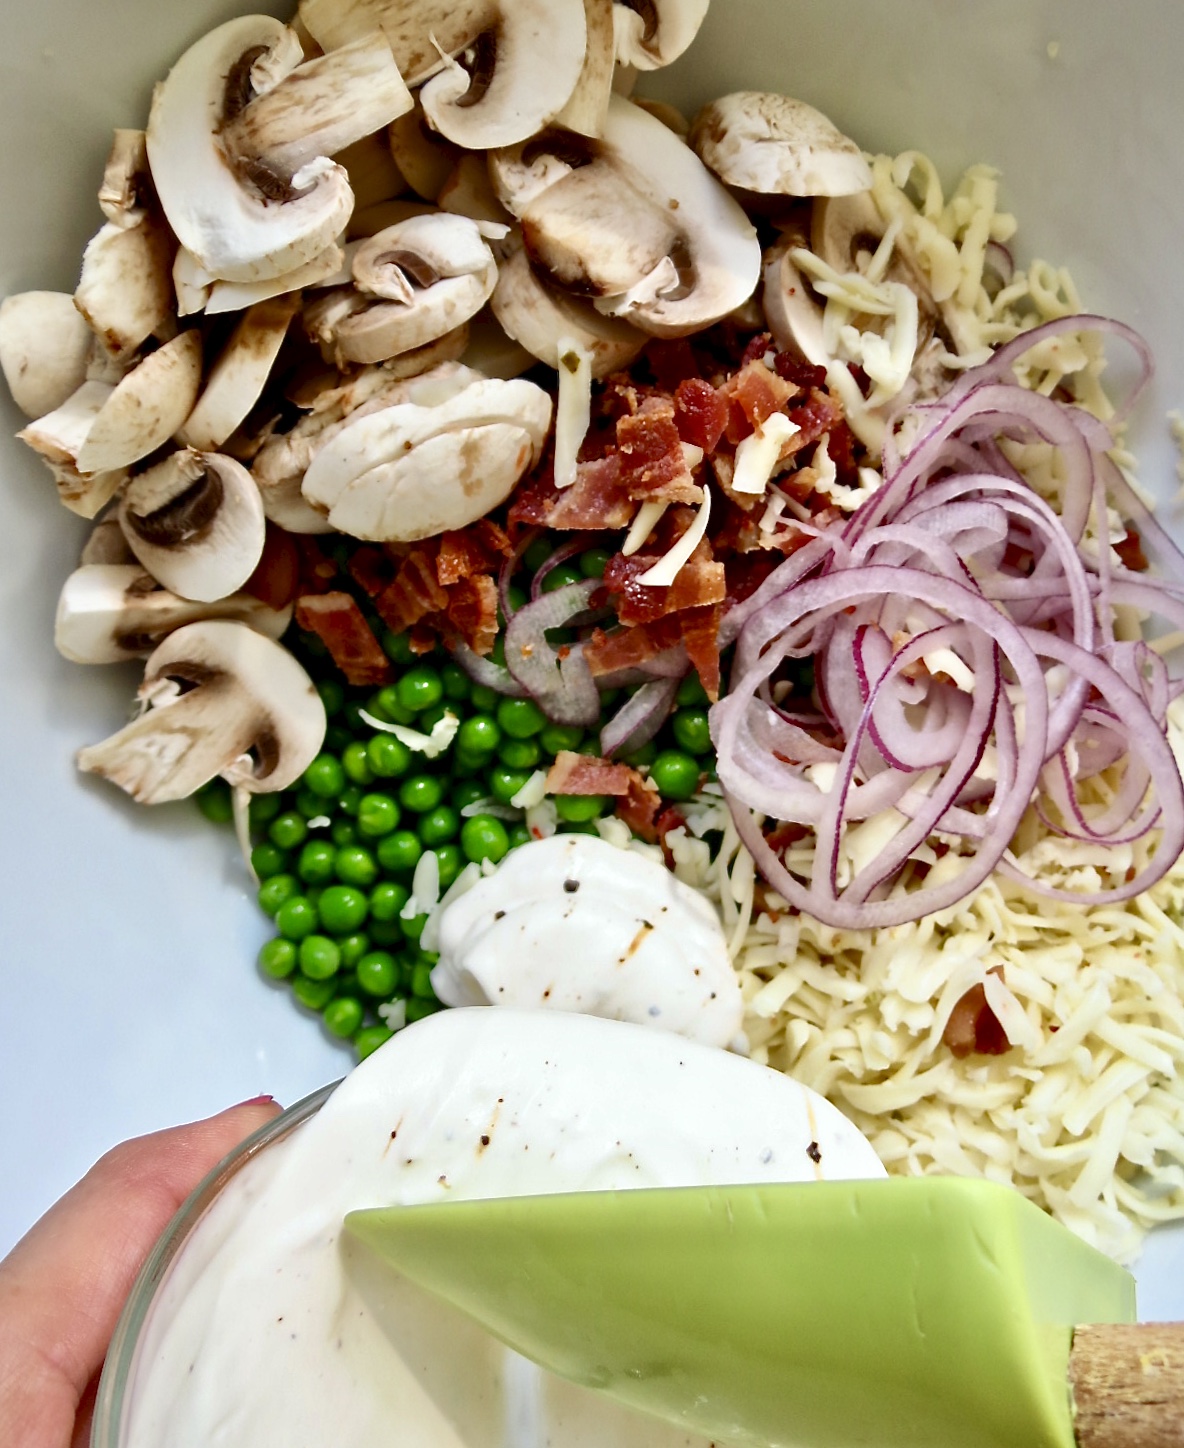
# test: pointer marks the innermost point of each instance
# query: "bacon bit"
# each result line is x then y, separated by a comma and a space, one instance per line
639, 808
339, 623
758, 349
672, 362
472, 612
700, 413
700, 634
746, 572
1130, 551
371, 569
317, 571
586, 774
653, 465
414, 593
699, 582
276, 579
784, 834
629, 648
755, 394
476, 549
802, 374
973, 1027
819, 414
671, 818
597, 499
422, 640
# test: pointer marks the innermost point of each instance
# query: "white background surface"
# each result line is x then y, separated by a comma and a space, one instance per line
129, 998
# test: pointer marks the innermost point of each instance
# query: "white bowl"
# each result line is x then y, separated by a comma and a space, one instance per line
130, 997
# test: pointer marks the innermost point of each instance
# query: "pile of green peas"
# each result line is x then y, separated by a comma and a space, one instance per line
335, 855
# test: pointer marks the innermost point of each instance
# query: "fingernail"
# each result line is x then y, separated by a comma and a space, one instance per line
259, 1101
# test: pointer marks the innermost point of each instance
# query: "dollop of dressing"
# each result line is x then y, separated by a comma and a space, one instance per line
275, 1327
572, 923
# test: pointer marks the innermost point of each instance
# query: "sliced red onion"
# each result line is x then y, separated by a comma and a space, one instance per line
484, 671
639, 718
557, 679
571, 549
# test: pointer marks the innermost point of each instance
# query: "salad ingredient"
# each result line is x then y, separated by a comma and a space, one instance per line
195, 521
777, 146
44, 348
654, 33
575, 924
221, 700
274, 1325
237, 142
125, 291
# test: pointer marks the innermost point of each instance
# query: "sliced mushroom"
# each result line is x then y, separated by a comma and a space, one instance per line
222, 700
587, 106
60, 435
653, 33
413, 471
126, 188
372, 219
146, 408
774, 145
470, 192
237, 379
110, 612
538, 318
239, 138
237, 296
425, 159
492, 353
106, 544
44, 346
196, 523
373, 173
670, 116
791, 312
125, 291
417, 31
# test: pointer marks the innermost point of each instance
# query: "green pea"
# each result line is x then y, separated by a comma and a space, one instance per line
399, 853
387, 706
519, 835
518, 597
351, 798
337, 737
675, 774
264, 808
355, 865
288, 831
691, 693
343, 1016
378, 815
421, 793
594, 562
332, 695
523, 754
387, 899
343, 909
538, 553
342, 833
320, 957
278, 959
215, 803
412, 929
356, 763
450, 862
369, 1039
561, 577
389, 757
420, 689
556, 738
504, 783
378, 974
397, 647
439, 826
311, 806
521, 718
642, 758
387, 932
296, 918
691, 730
455, 683
315, 866
466, 765
315, 995
484, 837
421, 981
353, 948
579, 809
478, 735
466, 792
418, 1010
275, 892
483, 698
268, 860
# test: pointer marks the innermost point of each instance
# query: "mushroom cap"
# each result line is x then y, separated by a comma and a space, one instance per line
125, 291
146, 408
653, 33
126, 187
525, 68
44, 346
196, 523
237, 379
235, 230
793, 316
413, 470
250, 714
417, 30
111, 612
778, 146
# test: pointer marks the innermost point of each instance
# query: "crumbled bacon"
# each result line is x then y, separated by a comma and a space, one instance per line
317, 570
597, 499
1130, 551
371, 568
701, 413
672, 362
415, 592
755, 394
973, 1027
801, 374
472, 612
653, 465
339, 623
819, 414
276, 579
586, 774
630, 648
671, 818
700, 581
700, 635
476, 549
639, 807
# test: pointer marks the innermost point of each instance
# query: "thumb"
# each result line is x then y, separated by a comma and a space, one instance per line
64, 1284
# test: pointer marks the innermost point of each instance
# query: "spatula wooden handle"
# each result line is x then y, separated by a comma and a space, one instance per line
1128, 1385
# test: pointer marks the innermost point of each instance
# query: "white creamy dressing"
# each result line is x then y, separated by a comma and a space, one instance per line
274, 1328
574, 924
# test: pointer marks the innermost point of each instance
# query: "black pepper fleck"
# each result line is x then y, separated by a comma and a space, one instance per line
571, 886
485, 1141
813, 1153
499, 914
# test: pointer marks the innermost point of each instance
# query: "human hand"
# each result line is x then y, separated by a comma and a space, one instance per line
64, 1284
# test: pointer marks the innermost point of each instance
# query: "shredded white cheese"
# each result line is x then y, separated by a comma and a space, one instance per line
573, 408
667, 568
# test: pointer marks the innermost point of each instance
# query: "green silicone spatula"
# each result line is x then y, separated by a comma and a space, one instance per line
929, 1313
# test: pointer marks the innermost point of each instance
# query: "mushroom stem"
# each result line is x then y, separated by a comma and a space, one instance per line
324, 106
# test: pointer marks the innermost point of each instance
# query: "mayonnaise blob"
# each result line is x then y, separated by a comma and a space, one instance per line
274, 1327
572, 923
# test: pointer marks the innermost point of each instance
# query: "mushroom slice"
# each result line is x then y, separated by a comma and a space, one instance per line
239, 173
653, 33
222, 700
587, 105
539, 318
418, 32
373, 174
146, 408
126, 291
109, 612
470, 192
425, 159
522, 173
774, 145
492, 353
196, 523
44, 348
370, 220
60, 435
791, 313
106, 544
237, 296
517, 76
126, 188
413, 471
237, 379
